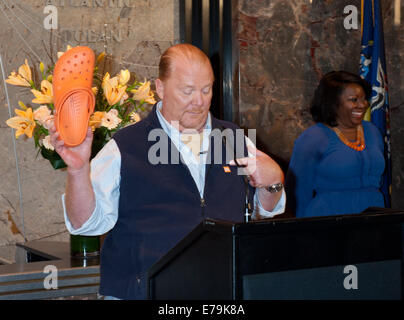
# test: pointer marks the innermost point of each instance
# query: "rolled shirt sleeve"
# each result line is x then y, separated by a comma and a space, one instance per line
105, 179
259, 211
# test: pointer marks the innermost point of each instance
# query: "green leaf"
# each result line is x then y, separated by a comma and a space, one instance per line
99, 140
53, 157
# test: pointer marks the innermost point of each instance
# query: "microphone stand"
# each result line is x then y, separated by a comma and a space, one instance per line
248, 205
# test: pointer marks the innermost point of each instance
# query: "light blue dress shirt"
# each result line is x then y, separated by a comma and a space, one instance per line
105, 179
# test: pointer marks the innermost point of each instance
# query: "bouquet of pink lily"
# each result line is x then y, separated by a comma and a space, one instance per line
117, 105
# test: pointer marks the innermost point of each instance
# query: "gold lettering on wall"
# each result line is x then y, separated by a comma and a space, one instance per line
95, 36
92, 3
115, 32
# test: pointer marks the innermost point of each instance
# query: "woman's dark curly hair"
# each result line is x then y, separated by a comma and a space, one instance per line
326, 98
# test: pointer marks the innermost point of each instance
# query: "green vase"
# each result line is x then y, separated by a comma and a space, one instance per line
84, 246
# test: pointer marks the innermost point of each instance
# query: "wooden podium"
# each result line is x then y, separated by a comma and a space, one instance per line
337, 257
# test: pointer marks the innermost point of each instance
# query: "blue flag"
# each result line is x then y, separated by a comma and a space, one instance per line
373, 70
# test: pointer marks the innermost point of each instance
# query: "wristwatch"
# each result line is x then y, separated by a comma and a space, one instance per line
274, 188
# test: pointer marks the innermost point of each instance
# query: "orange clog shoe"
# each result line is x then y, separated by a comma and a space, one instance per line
74, 100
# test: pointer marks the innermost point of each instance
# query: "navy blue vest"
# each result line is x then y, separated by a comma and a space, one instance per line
159, 205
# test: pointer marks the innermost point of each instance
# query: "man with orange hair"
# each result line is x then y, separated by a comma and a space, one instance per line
148, 206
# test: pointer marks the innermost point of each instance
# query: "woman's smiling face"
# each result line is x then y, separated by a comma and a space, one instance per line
352, 106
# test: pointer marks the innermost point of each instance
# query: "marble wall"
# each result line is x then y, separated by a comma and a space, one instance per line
284, 48
133, 32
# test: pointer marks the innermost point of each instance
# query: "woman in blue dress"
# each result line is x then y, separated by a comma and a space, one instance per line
337, 164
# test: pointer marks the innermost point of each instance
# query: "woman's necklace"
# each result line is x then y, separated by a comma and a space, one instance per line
357, 145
